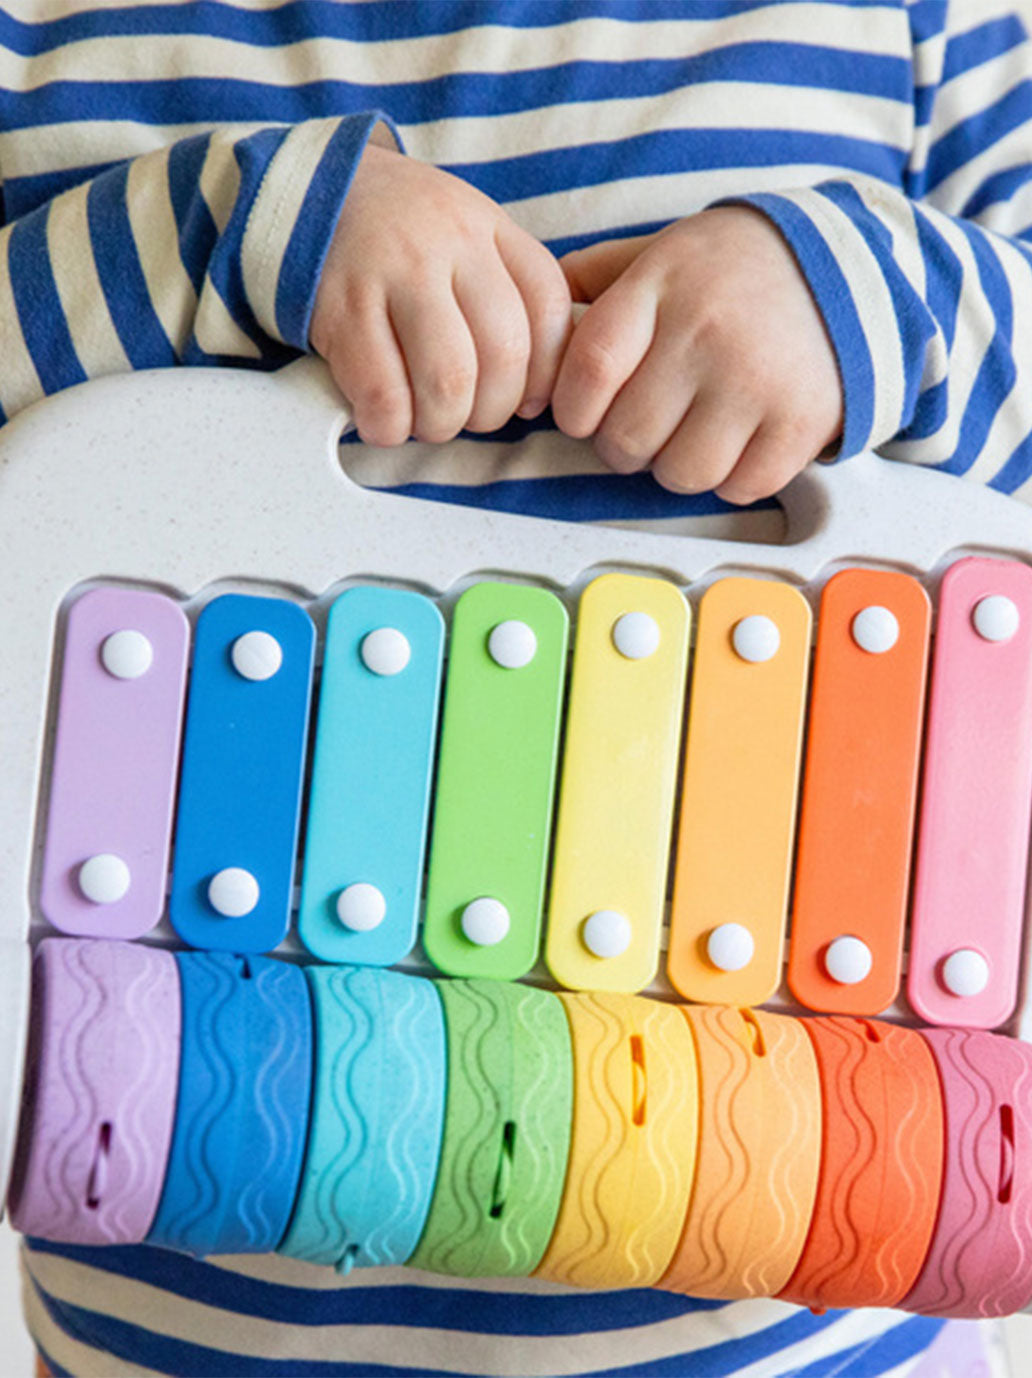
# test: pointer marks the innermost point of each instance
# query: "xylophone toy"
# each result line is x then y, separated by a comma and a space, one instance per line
250, 708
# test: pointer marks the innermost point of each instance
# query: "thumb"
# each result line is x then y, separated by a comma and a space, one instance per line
590, 271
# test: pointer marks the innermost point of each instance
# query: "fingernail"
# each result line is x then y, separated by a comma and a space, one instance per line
528, 410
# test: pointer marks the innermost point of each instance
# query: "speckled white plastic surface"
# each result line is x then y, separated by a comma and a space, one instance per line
206, 476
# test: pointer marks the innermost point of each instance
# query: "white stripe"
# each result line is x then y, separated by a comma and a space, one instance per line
1008, 217
632, 200
44, 148
78, 285
975, 90
421, 1348
485, 48
156, 237
275, 212
219, 182
19, 381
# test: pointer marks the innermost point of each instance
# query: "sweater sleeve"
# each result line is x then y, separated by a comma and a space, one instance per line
206, 251
926, 290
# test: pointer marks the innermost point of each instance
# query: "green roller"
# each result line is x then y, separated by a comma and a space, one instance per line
508, 1110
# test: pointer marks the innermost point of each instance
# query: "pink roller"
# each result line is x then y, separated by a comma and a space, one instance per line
100, 1092
980, 1259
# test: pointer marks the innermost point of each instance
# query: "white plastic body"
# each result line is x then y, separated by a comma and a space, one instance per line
183, 479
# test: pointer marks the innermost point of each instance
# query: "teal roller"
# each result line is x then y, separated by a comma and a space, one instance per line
377, 1116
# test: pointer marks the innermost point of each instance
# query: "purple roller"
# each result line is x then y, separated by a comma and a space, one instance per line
100, 1092
116, 753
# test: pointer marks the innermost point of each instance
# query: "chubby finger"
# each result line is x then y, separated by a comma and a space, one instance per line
440, 360
546, 301
591, 271
498, 325
606, 347
707, 444
648, 408
770, 461
368, 367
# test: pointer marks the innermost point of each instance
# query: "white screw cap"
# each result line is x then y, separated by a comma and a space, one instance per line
104, 878
256, 655
512, 645
361, 907
965, 972
730, 946
233, 892
127, 654
485, 921
607, 933
996, 617
385, 651
848, 960
756, 638
875, 629
636, 636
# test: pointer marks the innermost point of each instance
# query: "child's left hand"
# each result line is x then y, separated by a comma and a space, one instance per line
702, 355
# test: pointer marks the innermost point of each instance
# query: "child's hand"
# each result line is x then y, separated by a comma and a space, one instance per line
703, 355
435, 311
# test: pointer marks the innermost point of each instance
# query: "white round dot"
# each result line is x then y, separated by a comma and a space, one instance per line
485, 921
256, 655
756, 638
636, 636
730, 946
512, 645
126, 654
361, 907
965, 972
233, 892
996, 617
607, 933
848, 960
875, 629
104, 879
386, 651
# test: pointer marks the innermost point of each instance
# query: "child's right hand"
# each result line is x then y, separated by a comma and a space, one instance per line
435, 311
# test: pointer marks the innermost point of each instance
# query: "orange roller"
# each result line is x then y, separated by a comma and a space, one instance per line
882, 1165
759, 1154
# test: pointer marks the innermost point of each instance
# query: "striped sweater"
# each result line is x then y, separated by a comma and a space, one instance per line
172, 175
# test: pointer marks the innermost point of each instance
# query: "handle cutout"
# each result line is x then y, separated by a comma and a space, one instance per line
639, 1081
96, 1183
500, 1192
1003, 1194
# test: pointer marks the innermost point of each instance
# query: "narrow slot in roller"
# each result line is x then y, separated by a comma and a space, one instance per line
759, 1047
639, 1081
500, 1191
1003, 1194
97, 1180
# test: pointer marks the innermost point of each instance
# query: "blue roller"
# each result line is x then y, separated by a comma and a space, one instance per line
245, 1083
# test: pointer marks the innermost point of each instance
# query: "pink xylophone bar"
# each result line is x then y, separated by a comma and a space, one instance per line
101, 484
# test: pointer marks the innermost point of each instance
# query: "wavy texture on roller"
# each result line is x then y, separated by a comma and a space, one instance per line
104, 1053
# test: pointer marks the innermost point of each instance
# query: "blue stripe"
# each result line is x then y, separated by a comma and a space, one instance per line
312, 234
40, 313
904, 1341
832, 293
121, 276
671, 151
997, 371
143, 1347
401, 19
972, 136
440, 1308
580, 498
1016, 470
53, 1367
927, 19
980, 45
1001, 186
459, 94
944, 275
197, 230
25, 194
